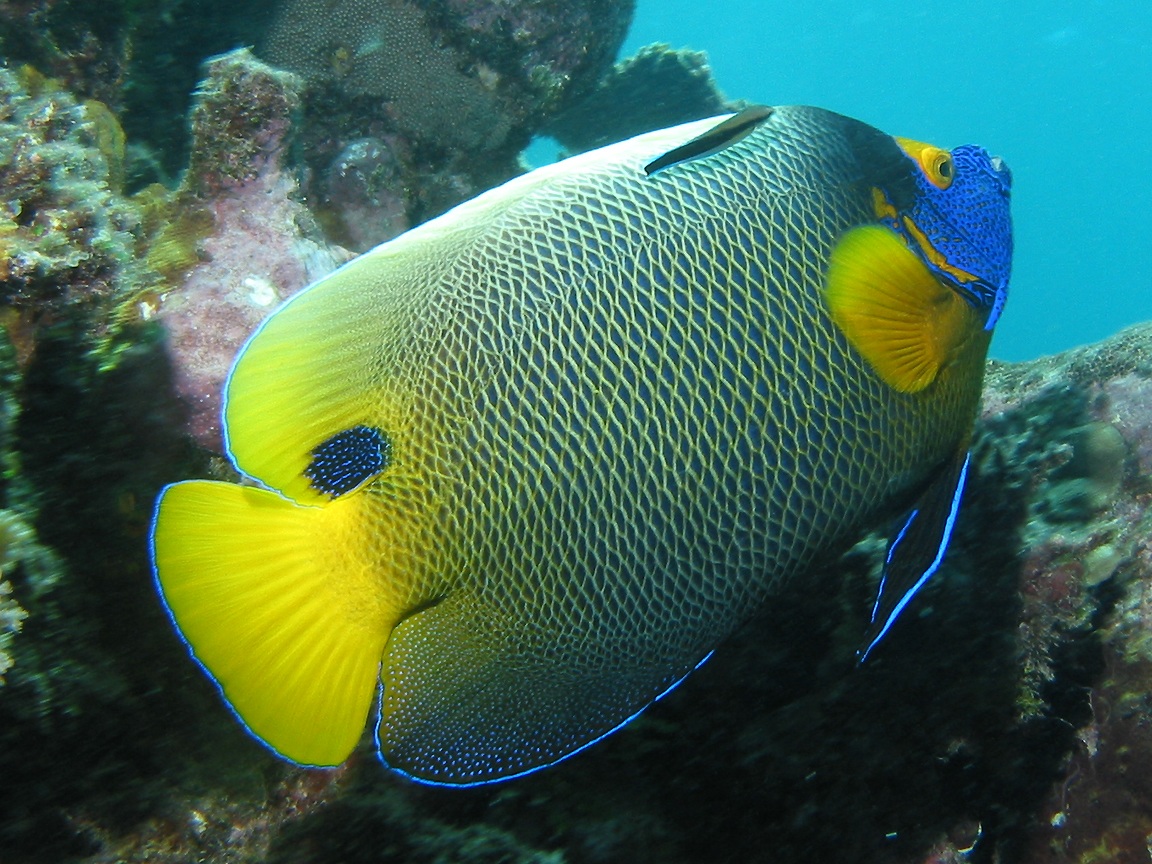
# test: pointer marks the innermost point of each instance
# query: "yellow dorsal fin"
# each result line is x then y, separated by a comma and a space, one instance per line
287, 607
901, 318
318, 368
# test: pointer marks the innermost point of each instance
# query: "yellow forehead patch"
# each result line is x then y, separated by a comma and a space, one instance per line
935, 162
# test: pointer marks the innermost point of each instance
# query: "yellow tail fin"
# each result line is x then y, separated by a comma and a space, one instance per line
284, 607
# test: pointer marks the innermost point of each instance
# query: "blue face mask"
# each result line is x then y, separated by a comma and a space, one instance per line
959, 221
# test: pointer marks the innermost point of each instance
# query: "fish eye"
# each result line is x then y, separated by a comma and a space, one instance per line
939, 167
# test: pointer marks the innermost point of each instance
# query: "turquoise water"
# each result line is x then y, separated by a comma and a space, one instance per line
1059, 89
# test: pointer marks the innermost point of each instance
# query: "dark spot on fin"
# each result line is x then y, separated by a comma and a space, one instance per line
916, 551
348, 459
722, 135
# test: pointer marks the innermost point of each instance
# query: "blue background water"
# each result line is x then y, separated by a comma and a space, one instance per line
1060, 89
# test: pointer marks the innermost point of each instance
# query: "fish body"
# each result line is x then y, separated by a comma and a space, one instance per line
525, 466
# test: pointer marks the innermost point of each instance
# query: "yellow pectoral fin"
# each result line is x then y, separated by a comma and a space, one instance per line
282, 604
894, 311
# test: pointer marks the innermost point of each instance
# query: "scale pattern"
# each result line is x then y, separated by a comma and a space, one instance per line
620, 416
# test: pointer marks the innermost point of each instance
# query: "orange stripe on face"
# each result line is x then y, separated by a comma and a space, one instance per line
933, 255
882, 206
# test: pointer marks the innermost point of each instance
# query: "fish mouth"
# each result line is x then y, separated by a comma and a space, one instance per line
1003, 172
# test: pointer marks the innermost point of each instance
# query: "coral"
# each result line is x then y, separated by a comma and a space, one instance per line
655, 88
484, 71
349, 830
85, 46
65, 236
385, 50
11, 620
208, 828
17, 544
89, 434
170, 40
461, 76
1083, 422
238, 241
142, 60
452, 91
364, 194
240, 122
554, 52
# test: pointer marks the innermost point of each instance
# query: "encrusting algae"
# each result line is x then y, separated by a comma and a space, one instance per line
11, 619
17, 543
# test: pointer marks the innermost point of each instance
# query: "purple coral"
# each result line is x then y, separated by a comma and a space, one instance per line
263, 246
457, 75
1082, 440
241, 121
385, 51
455, 90
560, 50
364, 190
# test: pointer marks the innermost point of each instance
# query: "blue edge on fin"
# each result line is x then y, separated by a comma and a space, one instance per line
467, 783
188, 645
915, 553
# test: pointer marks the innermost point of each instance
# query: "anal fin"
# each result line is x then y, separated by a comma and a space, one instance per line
915, 553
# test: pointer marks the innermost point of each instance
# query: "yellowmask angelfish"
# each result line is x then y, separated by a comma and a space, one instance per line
523, 467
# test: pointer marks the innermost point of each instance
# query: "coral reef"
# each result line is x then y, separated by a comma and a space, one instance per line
18, 547
65, 235
466, 83
453, 75
448, 92
169, 42
554, 53
387, 52
655, 88
11, 620
240, 123
139, 59
1079, 428
366, 178
86, 46
247, 240
75, 492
